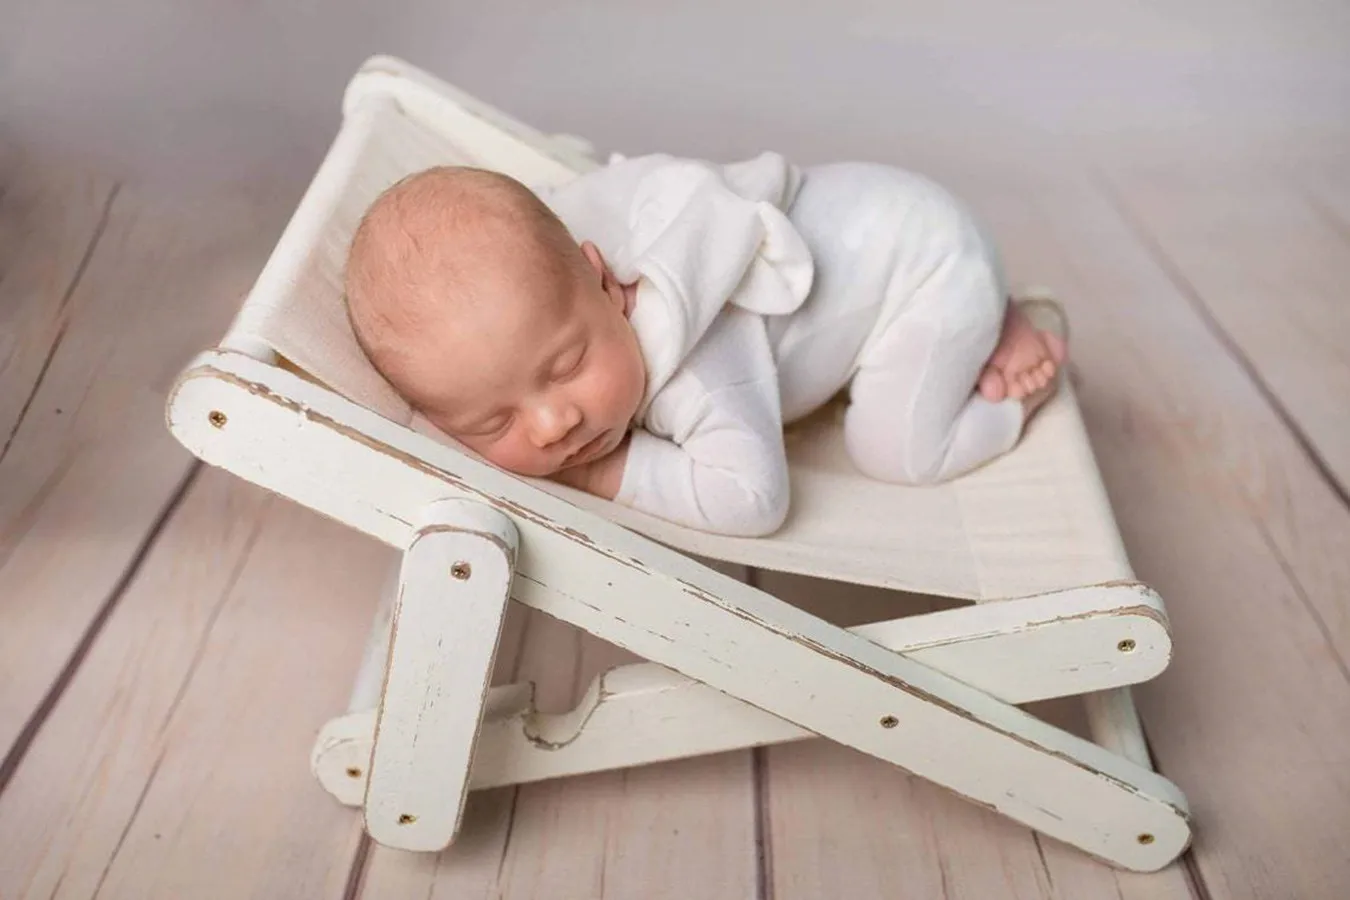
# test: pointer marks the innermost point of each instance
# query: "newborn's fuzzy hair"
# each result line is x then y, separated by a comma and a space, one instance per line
444, 240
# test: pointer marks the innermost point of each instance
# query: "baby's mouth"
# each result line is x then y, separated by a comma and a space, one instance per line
579, 453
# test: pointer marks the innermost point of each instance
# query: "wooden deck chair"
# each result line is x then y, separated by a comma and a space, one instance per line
288, 402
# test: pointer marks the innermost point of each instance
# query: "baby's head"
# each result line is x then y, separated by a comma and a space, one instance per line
474, 302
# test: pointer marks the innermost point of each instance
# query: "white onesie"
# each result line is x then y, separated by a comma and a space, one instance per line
762, 290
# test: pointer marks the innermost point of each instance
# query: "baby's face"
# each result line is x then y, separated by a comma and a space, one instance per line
535, 384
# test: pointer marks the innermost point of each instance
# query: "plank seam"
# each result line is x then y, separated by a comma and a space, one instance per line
131, 820
1045, 865
1190, 868
61, 316
1191, 295
759, 775
356, 875
510, 831
12, 760
759, 768
226, 590
1304, 599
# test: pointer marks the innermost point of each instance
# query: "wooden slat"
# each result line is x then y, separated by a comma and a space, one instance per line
50, 219
839, 823
284, 432
1205, 479
470, 867
448, 615
1259, 257
92, 467
62, 815
681, 830
232, 810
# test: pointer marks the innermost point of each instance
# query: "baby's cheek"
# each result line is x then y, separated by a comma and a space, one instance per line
519, 456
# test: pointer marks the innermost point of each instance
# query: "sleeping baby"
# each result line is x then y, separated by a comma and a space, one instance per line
645, 331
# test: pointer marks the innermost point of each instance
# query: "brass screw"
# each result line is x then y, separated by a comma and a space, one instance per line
353, 772
1126, 646
406, 819
461, 570
889, 721
217, 418
1145, 839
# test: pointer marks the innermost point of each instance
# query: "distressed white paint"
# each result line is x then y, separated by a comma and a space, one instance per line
294, 437
453, 589
644, 713
740, 662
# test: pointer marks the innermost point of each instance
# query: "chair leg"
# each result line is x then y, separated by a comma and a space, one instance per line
447, 619
1020, 651
1114, 724
659, 604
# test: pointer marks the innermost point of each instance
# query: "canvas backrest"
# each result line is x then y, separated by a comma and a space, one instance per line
394, 124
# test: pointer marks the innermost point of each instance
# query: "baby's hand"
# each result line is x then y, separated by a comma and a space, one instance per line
601, 477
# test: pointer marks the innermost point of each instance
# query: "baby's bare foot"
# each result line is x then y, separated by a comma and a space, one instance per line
1024, 364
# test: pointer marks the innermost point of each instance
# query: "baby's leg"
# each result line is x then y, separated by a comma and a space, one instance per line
915, 416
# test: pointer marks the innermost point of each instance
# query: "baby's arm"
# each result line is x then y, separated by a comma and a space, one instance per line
711, 455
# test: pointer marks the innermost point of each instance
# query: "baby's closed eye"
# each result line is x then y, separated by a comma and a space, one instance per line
568, 363
488, 427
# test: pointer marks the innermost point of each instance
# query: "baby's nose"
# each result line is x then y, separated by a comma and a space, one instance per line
555, 421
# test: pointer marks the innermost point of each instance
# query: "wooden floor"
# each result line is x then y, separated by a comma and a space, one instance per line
171, 638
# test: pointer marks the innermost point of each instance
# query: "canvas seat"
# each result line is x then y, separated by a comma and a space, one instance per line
288, 401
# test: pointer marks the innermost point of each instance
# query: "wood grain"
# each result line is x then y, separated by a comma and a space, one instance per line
92, 468
1266, 269
1265, 261
64, 813
51, 218
234, 810
1206, 483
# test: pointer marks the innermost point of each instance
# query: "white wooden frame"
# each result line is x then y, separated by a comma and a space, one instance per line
731, 666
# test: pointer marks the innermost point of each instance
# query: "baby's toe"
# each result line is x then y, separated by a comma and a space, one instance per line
992, 387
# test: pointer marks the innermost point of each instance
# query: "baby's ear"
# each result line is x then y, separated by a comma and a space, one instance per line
595, 258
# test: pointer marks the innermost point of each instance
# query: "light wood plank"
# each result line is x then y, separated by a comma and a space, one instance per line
1251, 717
92, 467
232, 810
51, 217
1257, 254
62, 815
